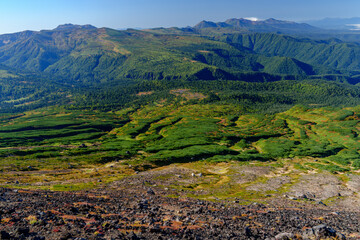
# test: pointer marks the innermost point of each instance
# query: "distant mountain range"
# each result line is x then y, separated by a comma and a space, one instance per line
86, 54
81, 57
345, 31
268, 25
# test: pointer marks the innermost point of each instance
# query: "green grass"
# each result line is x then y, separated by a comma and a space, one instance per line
74, 187
275, 147
153, 136
329, 168
189, 154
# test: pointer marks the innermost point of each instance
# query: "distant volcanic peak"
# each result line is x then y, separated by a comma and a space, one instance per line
255, 21
273, 20
242, 22
257, 25
70, 26
276, 21
232, 20
205, 24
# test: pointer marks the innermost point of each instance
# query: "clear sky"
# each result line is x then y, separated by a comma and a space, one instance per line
19, 15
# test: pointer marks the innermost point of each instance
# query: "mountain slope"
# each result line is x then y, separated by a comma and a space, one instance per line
72, 59
85, 54
89, 55
331, 53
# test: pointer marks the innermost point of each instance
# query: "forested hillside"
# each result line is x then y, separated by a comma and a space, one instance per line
327, 53
90, 56
86, 67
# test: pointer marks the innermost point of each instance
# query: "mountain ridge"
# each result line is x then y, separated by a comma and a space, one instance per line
56, 51
268, 25
86, 57
79, 52
70, 26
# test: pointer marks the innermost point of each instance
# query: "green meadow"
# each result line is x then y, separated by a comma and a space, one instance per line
154, 136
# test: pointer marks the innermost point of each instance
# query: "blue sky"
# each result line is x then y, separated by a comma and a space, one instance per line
18, 15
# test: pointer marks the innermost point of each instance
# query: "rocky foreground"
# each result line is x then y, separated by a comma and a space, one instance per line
123, 214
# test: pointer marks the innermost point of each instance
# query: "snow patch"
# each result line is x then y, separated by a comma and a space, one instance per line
254, 19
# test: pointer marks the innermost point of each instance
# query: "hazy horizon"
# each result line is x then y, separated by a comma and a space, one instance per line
20, 15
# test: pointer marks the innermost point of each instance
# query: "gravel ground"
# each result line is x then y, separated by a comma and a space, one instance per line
146, 214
